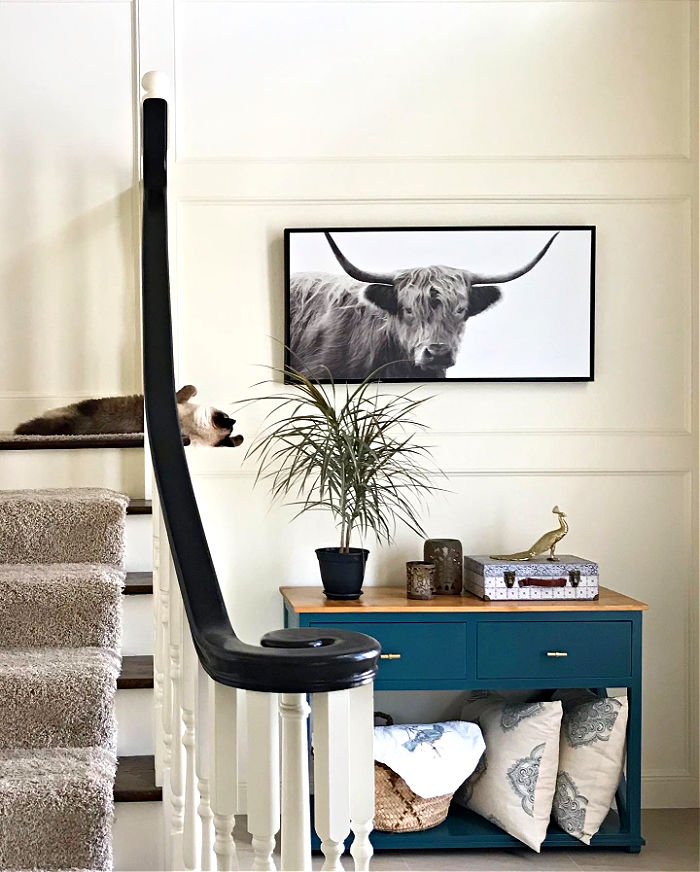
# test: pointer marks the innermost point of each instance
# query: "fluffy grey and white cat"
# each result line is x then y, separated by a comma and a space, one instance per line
202, 425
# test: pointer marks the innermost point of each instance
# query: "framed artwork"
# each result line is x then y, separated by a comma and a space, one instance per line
425, 304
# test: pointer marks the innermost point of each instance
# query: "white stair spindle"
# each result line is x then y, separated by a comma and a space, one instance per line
263, 776
192, 833
208, 860
331, 714
177, 787
157, 648
223, 769
162, 591
296, 825
362, 774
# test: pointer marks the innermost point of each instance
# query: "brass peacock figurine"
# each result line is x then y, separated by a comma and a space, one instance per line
548, 542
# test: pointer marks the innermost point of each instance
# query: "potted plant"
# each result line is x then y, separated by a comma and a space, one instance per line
351, 451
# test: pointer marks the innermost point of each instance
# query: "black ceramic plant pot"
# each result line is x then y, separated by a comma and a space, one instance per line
342, 574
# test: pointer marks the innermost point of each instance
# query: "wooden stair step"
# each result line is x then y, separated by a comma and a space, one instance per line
138, 583
136, 780
139, 507
11, 442
137, 672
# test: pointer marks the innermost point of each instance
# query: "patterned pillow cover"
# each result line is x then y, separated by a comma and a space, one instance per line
513, 784
591, 757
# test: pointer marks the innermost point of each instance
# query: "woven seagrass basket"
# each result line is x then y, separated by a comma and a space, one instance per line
397, 809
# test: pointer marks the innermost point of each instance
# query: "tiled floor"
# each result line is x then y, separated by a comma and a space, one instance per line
672, 844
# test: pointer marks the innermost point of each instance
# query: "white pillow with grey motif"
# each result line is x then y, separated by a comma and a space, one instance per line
513, 784
591, 757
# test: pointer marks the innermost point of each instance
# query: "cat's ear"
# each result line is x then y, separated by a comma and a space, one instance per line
186, 393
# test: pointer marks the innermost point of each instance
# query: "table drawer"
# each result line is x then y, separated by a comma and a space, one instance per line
426, 650
553, 649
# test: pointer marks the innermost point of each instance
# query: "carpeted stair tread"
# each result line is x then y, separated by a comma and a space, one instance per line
138, 583
137, 672
60, 604
57, 697
56, 808
136, 780
16, 442
68, 525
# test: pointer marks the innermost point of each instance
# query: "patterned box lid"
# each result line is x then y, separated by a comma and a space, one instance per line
542, 567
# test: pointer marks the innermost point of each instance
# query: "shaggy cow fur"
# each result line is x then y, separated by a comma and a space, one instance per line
409, 322
202, 425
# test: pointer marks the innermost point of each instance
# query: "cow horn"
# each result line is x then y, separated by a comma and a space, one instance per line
477, 279
355, 273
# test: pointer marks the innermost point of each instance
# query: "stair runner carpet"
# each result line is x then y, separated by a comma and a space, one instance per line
60, 581
70, 525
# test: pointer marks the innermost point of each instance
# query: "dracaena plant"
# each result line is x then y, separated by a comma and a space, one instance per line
350, 450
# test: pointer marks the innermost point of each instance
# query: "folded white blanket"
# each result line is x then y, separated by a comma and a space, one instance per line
433, 759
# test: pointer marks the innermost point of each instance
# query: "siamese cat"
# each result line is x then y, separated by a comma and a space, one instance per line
203, 425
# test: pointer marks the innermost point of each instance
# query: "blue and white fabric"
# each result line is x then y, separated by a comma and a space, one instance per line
433, 759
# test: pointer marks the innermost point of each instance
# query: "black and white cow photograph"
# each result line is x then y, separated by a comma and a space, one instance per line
441, 304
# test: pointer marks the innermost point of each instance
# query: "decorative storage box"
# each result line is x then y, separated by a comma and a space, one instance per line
568, 578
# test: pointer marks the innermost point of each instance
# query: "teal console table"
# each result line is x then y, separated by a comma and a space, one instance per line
464, 643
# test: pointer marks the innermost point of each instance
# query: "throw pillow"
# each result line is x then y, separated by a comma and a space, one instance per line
513, 785
591, 757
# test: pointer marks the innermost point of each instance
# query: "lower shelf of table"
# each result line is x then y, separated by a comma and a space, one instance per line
465, 829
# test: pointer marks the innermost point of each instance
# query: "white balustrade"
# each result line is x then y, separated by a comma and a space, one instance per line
198, 749
192, 831
177, 787
362, 773
296, 826
263, 762
196, 755
223, 771
331, 716
157, 647
202, 767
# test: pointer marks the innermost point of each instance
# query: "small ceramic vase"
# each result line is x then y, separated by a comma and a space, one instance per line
420, 578
446, 554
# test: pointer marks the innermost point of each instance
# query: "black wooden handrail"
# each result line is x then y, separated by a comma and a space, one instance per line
295, 660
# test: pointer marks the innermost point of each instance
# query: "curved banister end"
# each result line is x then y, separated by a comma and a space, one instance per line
155, 84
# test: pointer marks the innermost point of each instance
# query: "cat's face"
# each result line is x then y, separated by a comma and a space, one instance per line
204, 425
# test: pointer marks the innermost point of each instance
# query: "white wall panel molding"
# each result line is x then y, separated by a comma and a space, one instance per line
396, 177
548, 61
586, 132
69, 322
427, 199
517, 455
232, 251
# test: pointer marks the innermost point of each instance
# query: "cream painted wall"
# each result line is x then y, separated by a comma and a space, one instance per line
317, 113
296, 112
68, 270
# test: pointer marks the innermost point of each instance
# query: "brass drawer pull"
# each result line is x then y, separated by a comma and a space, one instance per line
557, 653
389, 656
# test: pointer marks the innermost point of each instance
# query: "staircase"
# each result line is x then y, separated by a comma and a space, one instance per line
45, 594
61, 553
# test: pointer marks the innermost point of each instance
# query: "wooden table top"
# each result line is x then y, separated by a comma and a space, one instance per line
394, 599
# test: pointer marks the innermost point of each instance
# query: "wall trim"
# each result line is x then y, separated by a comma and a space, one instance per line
679, 157
670, 791
226, 200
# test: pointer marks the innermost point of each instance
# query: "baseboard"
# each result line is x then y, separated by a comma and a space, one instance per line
670, 791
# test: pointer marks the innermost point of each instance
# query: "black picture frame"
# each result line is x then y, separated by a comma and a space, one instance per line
587, 377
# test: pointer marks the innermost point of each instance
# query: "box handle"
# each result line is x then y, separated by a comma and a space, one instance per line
542, 582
